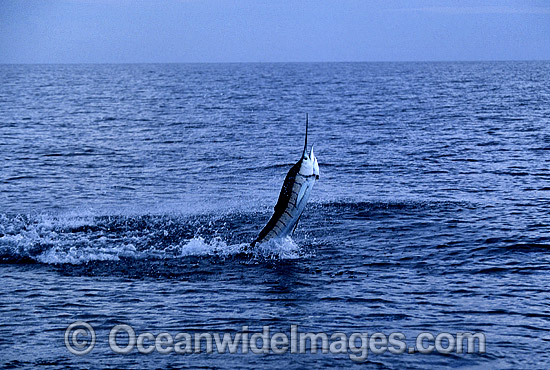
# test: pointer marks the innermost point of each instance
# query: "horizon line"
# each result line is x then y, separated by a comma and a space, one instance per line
286, 62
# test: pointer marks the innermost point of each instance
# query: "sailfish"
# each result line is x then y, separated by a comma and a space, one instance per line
293, 197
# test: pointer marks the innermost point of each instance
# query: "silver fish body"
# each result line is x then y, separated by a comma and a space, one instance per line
293, 197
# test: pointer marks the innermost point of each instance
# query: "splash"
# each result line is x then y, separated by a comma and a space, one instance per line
80, 239
285, 248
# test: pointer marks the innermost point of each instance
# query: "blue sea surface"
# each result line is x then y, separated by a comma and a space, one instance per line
128, 194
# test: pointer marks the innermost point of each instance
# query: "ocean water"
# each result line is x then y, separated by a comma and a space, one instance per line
129, 192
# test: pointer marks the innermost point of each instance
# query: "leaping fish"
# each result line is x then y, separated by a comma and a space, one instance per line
293, 197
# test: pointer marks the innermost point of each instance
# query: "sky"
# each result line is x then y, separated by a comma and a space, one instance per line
175, 31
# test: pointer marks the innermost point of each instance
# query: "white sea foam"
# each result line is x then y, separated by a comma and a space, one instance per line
285, 248
75, 256
198, 246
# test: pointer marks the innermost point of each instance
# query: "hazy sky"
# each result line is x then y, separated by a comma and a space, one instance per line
98, 31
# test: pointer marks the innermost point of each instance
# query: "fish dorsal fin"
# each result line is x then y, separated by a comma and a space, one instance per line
305, 141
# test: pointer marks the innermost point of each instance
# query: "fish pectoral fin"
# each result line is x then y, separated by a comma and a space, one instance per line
301, 194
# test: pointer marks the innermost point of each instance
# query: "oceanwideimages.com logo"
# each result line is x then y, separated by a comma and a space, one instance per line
80, 339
